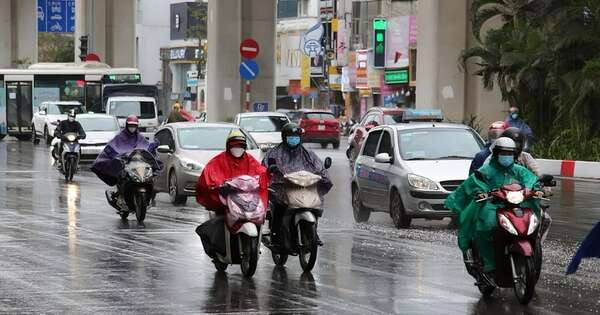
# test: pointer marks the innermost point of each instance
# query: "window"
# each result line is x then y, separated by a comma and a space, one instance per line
263, 123
322, 116
99, 124
372, 120
210, 139
385, 146
63, 109
390, 119
438, 144
371, 143
287, 8
165, 138
122, 109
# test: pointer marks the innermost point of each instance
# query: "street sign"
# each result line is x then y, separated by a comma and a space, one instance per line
396, 76
192, 74
261, 107
56, 16
192, 82
249, 48
310, 42
249, 69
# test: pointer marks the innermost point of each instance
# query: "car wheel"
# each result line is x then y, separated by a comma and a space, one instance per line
401, 220
47, 137
336, 145
176, 199
324, 145
34, 137
361, 214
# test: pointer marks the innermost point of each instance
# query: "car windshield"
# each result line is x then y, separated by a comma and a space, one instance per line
438, 144
263, 123
207, 138
98, 124
61, 109
390, 119
321, 116
122, 109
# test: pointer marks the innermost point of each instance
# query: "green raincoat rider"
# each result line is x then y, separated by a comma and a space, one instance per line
477, 221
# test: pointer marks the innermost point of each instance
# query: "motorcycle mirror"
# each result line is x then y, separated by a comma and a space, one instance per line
547, 180
327, 163
271, 161
273, 168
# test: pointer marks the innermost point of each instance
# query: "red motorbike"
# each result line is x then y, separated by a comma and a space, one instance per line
517, 243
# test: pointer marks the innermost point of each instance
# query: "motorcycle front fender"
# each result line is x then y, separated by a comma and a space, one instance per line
304, 216
522, 247
249, 229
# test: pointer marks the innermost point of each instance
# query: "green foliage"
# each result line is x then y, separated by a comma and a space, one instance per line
545, 59
56, 47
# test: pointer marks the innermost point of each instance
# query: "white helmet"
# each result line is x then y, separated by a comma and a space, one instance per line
504, 144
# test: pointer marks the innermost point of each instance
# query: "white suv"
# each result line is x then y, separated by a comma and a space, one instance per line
45, 120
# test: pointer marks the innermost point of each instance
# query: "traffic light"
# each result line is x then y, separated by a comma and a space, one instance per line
379, 28
83, 47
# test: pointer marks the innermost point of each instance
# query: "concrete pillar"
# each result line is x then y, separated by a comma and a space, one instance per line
229, 22
6, 34
97, 30
259, 22
26, 30
442, 37
80, 26
120, 33
223, 81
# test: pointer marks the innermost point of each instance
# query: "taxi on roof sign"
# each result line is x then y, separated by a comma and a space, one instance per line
431, 114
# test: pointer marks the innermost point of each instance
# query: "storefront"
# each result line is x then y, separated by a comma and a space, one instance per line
182, 62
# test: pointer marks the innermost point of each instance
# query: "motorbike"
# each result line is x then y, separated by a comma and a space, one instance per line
136, 188
298, 233
244, 215
71, 153
517, 244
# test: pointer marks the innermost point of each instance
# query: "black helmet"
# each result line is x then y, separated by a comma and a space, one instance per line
515, 134
504, 144
291, 129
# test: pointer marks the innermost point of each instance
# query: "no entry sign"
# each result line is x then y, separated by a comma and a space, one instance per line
249, 48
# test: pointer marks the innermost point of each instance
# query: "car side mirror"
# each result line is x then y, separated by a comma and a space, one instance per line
327, 163
264, 147
368, 127
164, 149
383, 158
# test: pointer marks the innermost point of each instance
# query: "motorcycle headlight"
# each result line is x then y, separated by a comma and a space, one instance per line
71, 138
421, 182
515, 197
191, 165
505, 223
139, 173
533, 224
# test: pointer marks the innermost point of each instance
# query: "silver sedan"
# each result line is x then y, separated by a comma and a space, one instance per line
410, 169
185, 148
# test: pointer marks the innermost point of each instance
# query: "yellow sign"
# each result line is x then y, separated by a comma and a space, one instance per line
305, 72
334, 25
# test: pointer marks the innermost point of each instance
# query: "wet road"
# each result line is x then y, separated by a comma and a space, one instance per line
63, 249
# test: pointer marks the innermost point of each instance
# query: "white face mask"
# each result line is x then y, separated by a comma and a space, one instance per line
71, 119
132, 129
237, 152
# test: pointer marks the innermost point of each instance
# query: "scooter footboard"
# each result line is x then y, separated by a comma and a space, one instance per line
522, 247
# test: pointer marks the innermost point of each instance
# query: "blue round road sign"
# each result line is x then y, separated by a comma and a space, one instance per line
248, 69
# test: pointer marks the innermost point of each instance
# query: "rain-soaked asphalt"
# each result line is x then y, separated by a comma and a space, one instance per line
64, 250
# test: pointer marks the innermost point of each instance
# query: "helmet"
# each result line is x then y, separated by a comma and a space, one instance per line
72, 114
515, 134
291, 129
235, 137
504, 144
132, 120
496, 129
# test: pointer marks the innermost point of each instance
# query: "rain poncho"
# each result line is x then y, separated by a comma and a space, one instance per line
291, 160
478, 220
107, 167
524, 127
590, 247
223, 167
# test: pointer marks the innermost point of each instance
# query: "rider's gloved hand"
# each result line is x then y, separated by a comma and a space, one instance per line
224, 190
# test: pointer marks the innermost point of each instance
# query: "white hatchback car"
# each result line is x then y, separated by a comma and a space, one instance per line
410, 169
46, 118
265, 127
99, 130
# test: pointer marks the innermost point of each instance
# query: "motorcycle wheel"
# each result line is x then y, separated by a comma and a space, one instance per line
486, 289
221, 267
309, 247
279, 258
139, 200
67, 169
249, 255
124, 214
537, 254
524, 285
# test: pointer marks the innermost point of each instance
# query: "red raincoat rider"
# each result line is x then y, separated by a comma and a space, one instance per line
235, 161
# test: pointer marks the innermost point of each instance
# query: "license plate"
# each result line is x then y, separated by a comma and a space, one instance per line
321, 127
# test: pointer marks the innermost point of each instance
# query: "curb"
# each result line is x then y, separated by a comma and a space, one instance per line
569, 168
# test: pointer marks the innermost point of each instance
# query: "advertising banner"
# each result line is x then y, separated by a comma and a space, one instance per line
397, 42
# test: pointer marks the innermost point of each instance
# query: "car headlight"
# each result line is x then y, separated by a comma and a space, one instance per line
421, 182
533, 224
71, 138
505, 223
515, 197
191, 165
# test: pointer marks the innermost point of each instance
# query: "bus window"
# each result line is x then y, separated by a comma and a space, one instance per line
93, 97
124, 108
58, 88
121, 78
2, 109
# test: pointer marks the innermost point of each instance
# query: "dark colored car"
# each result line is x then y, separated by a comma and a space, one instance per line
320, 127
374, 117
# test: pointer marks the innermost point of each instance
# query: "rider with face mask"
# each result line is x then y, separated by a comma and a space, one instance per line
233, 162
291, 156
68, 126
477, 221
